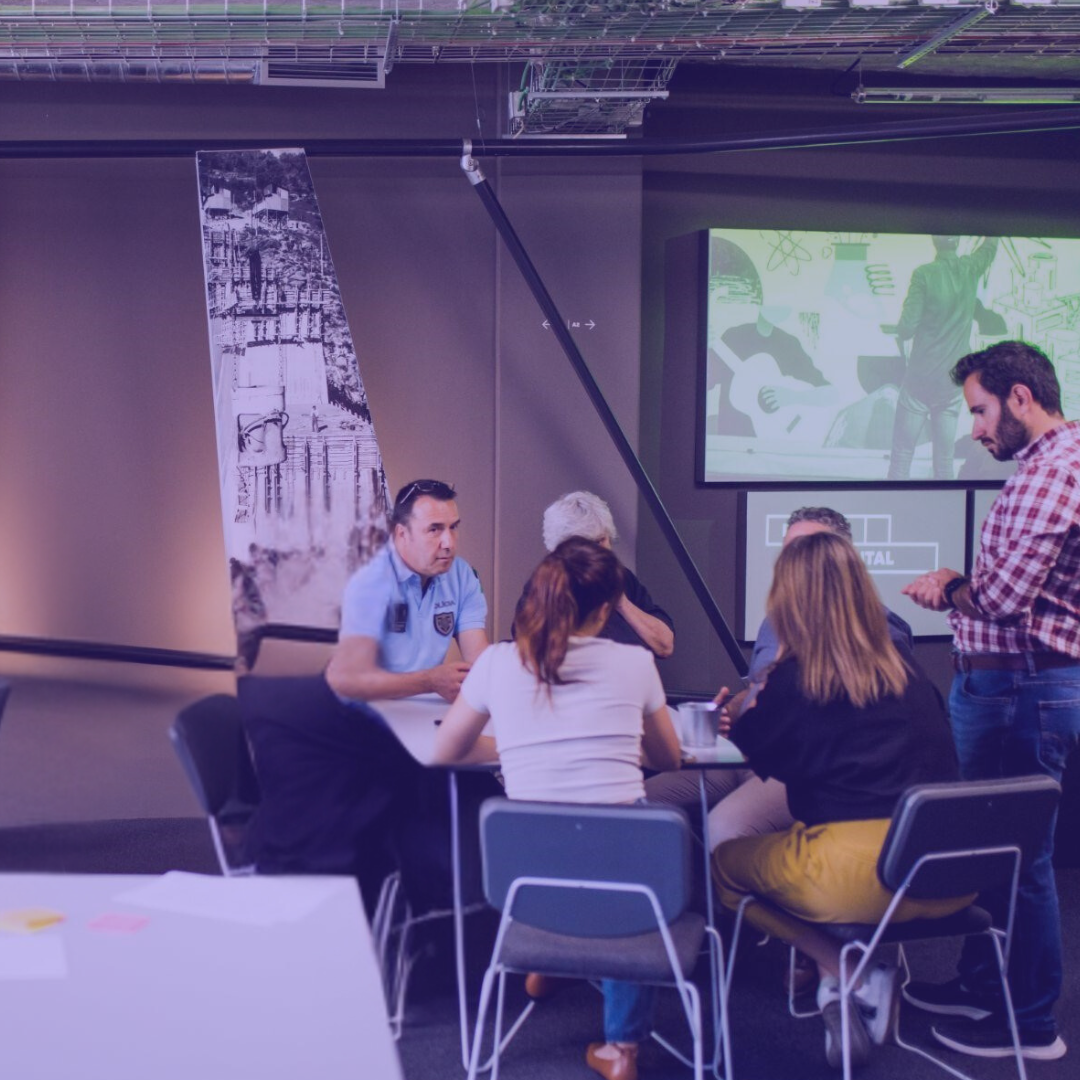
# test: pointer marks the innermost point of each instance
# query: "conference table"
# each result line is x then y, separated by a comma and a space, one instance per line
414, 721
130, 977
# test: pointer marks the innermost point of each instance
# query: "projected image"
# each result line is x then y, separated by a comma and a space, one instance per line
828, 354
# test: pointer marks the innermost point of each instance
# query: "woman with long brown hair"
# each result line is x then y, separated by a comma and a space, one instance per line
847, 724
574, 716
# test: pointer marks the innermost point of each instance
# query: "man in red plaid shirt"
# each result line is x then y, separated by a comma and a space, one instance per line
1015, 701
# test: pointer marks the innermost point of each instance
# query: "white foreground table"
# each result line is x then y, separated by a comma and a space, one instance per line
177, 996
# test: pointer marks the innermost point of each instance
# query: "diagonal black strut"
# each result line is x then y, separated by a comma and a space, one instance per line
596, 396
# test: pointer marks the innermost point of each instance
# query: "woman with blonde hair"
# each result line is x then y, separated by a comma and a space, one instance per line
847, 724
574, 716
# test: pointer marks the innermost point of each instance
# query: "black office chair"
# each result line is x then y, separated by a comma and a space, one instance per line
594, 892
212, 748
342, 795
945, 840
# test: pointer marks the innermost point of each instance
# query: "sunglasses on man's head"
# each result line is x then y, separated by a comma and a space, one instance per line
425, 487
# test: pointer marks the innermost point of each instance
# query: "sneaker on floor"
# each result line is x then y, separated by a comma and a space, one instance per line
828, 999
879, 1002
990, 1038
950, 999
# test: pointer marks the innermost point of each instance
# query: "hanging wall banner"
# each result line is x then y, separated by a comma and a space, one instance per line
302, 484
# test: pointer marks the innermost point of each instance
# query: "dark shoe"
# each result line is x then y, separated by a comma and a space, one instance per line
950, 999
614, 1061
802, 978
539, 987
990, 1038
828, 998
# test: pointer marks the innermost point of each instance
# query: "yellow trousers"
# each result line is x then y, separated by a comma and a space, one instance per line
823, 874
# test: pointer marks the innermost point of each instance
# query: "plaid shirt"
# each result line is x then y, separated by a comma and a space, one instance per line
1026, 579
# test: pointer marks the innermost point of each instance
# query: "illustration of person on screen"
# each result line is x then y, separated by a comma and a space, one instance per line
936, 318
765, 383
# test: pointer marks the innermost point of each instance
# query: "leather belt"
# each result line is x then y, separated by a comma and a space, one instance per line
1040, 661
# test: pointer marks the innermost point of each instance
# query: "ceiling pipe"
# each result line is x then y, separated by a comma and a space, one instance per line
1016, 123
645, 486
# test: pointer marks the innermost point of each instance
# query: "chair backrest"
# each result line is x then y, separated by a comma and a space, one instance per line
213, 750
634, 844
966, 816
5, 689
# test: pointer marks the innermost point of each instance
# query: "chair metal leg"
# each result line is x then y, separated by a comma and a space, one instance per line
997, 937
691, 1003
927, 1056
721, 1023
399, 968
500, 1002
481, 1016
799, 1014
384, 911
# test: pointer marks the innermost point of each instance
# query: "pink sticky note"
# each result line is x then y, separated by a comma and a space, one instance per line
118, 922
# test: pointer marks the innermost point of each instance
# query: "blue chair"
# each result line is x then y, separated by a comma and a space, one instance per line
945, 840
594, 892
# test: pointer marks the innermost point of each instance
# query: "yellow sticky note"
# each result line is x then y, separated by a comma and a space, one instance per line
28, 920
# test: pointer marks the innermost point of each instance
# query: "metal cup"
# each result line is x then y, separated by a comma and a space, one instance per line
700, 723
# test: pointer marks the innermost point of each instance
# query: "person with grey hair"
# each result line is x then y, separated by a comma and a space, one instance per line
637, 620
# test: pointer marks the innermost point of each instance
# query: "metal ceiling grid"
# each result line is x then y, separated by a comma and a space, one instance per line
444, 30
602, 47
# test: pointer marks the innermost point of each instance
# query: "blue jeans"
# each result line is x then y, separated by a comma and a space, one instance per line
628, 1011
1017, 723
907, 426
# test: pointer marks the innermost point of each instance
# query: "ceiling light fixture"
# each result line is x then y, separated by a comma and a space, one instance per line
973, 95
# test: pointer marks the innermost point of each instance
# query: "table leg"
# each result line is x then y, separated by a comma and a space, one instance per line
459, 919
702, 795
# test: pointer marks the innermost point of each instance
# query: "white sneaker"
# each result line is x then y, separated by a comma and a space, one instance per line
879, 1002
828, 998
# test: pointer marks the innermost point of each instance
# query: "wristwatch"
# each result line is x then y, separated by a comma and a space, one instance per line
951, 588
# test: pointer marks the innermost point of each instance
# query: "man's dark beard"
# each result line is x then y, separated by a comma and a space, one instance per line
1010, 436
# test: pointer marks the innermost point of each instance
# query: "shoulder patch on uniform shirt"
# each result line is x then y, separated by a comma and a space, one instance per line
444, 622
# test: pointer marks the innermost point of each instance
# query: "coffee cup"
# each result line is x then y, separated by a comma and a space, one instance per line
700, 723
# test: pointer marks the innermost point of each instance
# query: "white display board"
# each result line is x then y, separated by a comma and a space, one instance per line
900, 535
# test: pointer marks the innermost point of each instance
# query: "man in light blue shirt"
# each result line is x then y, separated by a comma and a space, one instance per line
401, 610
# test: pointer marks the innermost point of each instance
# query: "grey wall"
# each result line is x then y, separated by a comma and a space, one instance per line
111, 527
108, 491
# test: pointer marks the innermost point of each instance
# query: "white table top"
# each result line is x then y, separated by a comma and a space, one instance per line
412, 720
177, 996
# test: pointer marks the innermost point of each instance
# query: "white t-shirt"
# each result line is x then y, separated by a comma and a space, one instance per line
581, 744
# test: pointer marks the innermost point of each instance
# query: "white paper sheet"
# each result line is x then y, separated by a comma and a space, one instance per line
255, 901
33, 957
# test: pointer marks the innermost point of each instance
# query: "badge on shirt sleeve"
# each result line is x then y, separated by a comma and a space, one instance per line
444, 622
